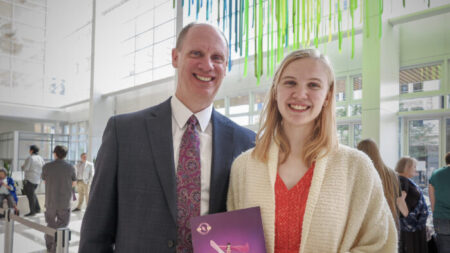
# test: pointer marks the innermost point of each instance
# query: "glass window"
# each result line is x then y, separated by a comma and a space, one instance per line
424, 146
357, 87
256, 119
241, 120
357, 132
259, 99
239, 104
419, 79
343, 134
420, 104
447, 134
355, 109
341, 111
219, 105
340, 89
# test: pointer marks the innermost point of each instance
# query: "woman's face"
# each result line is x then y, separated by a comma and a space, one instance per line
410, 170
302, 91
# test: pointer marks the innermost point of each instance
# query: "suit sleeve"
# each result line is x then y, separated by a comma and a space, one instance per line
98, 230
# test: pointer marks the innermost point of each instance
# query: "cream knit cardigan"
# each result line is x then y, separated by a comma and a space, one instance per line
345, 212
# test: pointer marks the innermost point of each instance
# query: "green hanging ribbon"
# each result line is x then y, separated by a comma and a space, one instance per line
352, 11
279, 32
297, 30
260, 41
318, 19
339, 25
329, 23
303, 22
308, 25
294, 14
246, 38
268, 39
241, 11
272, 50
286, 27
255, 30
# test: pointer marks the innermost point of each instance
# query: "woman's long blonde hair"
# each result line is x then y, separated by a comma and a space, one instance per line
323, 138
388, 177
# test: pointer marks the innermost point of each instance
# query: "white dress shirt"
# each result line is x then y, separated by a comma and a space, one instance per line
85, 171
180, 115
33, 168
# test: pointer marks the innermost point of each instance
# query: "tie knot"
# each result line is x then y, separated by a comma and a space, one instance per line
192, 121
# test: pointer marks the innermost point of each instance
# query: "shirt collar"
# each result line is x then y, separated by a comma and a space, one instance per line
181, 114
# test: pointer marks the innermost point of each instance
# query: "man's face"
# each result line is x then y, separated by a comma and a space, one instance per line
2, 176
201, 63
83, 157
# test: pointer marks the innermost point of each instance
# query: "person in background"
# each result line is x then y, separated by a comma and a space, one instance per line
161, 166
8, 191
439, 191
33, 169
59, 177
85, 171
413, 209
388, 176
314, 195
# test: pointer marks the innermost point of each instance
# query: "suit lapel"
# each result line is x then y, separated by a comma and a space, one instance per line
159, 128
222, 156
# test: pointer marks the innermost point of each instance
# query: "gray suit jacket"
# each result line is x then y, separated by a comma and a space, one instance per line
132, 205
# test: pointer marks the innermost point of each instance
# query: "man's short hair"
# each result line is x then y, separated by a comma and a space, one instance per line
34, 149
185, 30
447, 158
60, 151
82, 154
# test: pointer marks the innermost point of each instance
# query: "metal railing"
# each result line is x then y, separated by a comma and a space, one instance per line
61, 235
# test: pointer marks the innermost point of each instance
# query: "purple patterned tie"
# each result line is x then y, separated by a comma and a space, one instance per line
188, 185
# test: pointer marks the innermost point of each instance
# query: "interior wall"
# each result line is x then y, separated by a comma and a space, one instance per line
9, 125
425, 40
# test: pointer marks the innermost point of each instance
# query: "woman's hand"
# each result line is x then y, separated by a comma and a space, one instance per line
401, 204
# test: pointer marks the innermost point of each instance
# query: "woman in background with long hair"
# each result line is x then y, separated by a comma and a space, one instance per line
388, 176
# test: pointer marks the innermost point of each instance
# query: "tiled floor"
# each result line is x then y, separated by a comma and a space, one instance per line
27, 240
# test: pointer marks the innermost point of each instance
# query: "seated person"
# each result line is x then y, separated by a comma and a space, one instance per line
8, 191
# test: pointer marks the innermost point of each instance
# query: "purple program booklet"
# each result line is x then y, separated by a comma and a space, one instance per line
238, 231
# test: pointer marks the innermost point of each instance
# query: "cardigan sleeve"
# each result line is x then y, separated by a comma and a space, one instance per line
378, 232
235, 184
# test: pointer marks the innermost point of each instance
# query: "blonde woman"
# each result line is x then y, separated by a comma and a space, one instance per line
413, 209
315, 195
388, 176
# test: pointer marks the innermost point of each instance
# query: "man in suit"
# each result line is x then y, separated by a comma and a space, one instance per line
85, 171
136, 201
